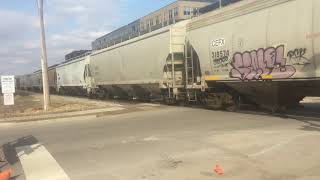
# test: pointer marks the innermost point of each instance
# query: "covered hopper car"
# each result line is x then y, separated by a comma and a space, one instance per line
33, 81
263, 52
266, 51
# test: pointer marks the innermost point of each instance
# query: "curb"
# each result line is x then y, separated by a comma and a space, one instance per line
60, 115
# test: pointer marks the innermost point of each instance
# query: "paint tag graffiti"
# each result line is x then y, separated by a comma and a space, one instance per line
297, 56
268, 63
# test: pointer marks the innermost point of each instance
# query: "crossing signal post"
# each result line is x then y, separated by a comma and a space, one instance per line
44, 64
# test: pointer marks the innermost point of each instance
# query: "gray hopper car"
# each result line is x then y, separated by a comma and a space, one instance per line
138, 68
265, 51
33, 82
262, 52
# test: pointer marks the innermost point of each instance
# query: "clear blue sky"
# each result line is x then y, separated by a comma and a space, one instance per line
70, 25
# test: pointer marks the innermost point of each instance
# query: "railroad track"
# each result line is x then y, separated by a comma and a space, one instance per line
301, 114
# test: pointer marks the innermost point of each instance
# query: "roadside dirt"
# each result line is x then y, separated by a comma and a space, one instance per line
31, 104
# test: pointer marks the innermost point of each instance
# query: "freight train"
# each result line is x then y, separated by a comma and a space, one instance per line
262, 52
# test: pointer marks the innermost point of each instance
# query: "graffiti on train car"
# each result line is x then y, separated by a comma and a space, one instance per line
297, 56
269, 63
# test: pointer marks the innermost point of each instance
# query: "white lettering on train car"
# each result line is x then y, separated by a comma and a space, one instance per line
218, 42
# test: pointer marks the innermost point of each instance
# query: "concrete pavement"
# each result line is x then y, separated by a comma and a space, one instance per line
113, 108
169, 143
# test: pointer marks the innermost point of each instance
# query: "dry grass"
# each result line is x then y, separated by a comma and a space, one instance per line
30, 104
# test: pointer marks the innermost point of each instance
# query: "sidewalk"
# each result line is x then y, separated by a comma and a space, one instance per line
60, 115
28, 107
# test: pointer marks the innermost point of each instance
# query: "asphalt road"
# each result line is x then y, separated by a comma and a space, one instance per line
164, 143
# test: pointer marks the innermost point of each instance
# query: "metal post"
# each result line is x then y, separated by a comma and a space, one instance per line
220, 5
172, 60
174, 16
186, 46
44, 64
163, 19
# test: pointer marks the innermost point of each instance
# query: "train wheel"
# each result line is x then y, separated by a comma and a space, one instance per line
235, 104
214, 101
169, 101
91, 95
101, 94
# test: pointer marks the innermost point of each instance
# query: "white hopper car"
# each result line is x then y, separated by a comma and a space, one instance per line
71, 78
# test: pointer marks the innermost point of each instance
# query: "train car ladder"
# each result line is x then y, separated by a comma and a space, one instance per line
176, 46
189, 73
189, 66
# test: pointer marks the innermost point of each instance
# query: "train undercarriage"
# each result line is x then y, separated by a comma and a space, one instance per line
278, 96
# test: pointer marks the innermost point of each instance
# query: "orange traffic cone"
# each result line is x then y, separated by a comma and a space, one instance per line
218, 170
5, 175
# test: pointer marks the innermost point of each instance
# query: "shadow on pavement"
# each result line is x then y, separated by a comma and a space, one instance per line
309, 114
3, 165
9, 149
310, 127
14, 177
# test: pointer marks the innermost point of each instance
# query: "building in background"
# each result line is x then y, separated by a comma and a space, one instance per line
216, 5
172, 13
76, 54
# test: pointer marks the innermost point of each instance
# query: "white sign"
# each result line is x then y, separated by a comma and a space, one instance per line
8, 84
8, 99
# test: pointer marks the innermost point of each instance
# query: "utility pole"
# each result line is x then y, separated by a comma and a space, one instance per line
174, 16
44, 64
